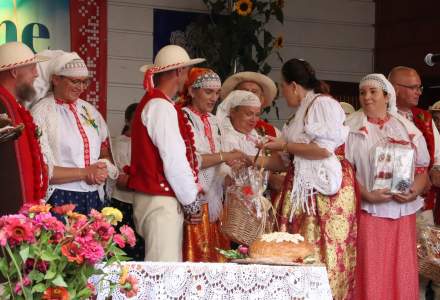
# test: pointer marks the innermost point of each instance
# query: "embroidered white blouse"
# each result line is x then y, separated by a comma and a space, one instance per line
67, 127
160, 119
363, 138
122, 155
211, 178
320, 121
235, 140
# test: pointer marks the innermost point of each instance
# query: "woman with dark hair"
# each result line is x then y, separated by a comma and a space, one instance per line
318, 198
122, 197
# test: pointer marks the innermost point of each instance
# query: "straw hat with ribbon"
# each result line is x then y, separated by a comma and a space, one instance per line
168, 58
435, 107
16, 54
268, 86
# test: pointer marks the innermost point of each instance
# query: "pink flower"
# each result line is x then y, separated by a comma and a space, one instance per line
92, 252
96, 215
91, 287
128, 234
130, 286
243, 249
49, 222
16, 229
119, 240
103, 230
18, 287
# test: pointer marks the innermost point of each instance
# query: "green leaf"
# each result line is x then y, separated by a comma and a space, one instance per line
4, 266
48, 256
39, 288
59, 281
24, 252
50, 274
84, 293
36, 276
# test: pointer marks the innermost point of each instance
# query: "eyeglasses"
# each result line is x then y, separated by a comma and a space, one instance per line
413, 87
78, 82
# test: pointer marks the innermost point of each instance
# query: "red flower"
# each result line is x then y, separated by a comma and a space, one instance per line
56, 293
247, 190
72, 252
16, 229
103, 230
64, 209
130, 286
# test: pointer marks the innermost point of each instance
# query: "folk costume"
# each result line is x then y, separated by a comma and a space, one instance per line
23, 175
201, 240
164, 165
319, 199
76, 133
386, 230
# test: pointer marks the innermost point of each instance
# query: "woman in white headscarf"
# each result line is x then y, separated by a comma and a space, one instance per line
78, 150
238, 115
318, 198
386, 150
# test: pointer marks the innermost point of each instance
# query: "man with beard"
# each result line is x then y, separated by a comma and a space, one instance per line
23, 172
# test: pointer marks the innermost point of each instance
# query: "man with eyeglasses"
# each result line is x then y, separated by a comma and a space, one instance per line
408, 86
78, 151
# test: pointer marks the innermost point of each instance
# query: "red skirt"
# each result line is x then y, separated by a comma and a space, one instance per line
387, 266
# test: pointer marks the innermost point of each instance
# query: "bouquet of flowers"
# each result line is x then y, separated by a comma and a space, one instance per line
46, 258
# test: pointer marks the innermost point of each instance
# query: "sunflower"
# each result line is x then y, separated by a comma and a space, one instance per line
279, 42
244, 7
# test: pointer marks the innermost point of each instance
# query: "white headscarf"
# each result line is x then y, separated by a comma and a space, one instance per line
234, 99
379, 81
63, 63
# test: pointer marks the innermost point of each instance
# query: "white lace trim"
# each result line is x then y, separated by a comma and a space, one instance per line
160, 280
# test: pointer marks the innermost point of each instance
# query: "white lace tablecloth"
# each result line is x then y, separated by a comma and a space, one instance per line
161, 280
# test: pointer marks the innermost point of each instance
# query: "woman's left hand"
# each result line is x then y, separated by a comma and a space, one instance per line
275, 144
405, 197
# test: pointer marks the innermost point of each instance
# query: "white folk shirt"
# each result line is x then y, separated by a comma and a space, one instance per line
212, 178
62, 129
235, 140
363, 137
122, 155
318, 119
160, 119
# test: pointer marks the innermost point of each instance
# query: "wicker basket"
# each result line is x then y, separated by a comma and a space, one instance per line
430, 269
241, 224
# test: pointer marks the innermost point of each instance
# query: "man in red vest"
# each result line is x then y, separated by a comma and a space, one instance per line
164, 165
408, 86
23, 172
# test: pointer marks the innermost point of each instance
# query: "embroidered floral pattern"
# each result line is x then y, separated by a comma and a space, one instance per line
90, 121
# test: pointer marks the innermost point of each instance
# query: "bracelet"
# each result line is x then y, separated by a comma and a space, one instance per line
285, 149
221, 156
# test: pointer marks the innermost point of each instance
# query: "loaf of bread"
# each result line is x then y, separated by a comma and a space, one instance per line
281, 247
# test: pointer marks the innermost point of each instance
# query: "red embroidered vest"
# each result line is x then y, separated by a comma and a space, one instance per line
21, 176
423, 121
146, 170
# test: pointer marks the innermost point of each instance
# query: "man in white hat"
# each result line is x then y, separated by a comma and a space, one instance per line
164, 166
78, 149
23, 172
408, 86
262, 86
435, 113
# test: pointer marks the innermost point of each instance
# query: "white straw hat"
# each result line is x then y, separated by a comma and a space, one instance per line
347, 107
267, 84
16, 54
435, 106
171, 57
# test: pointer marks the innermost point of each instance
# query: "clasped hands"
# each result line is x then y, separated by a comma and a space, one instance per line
96, 173
385, 195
